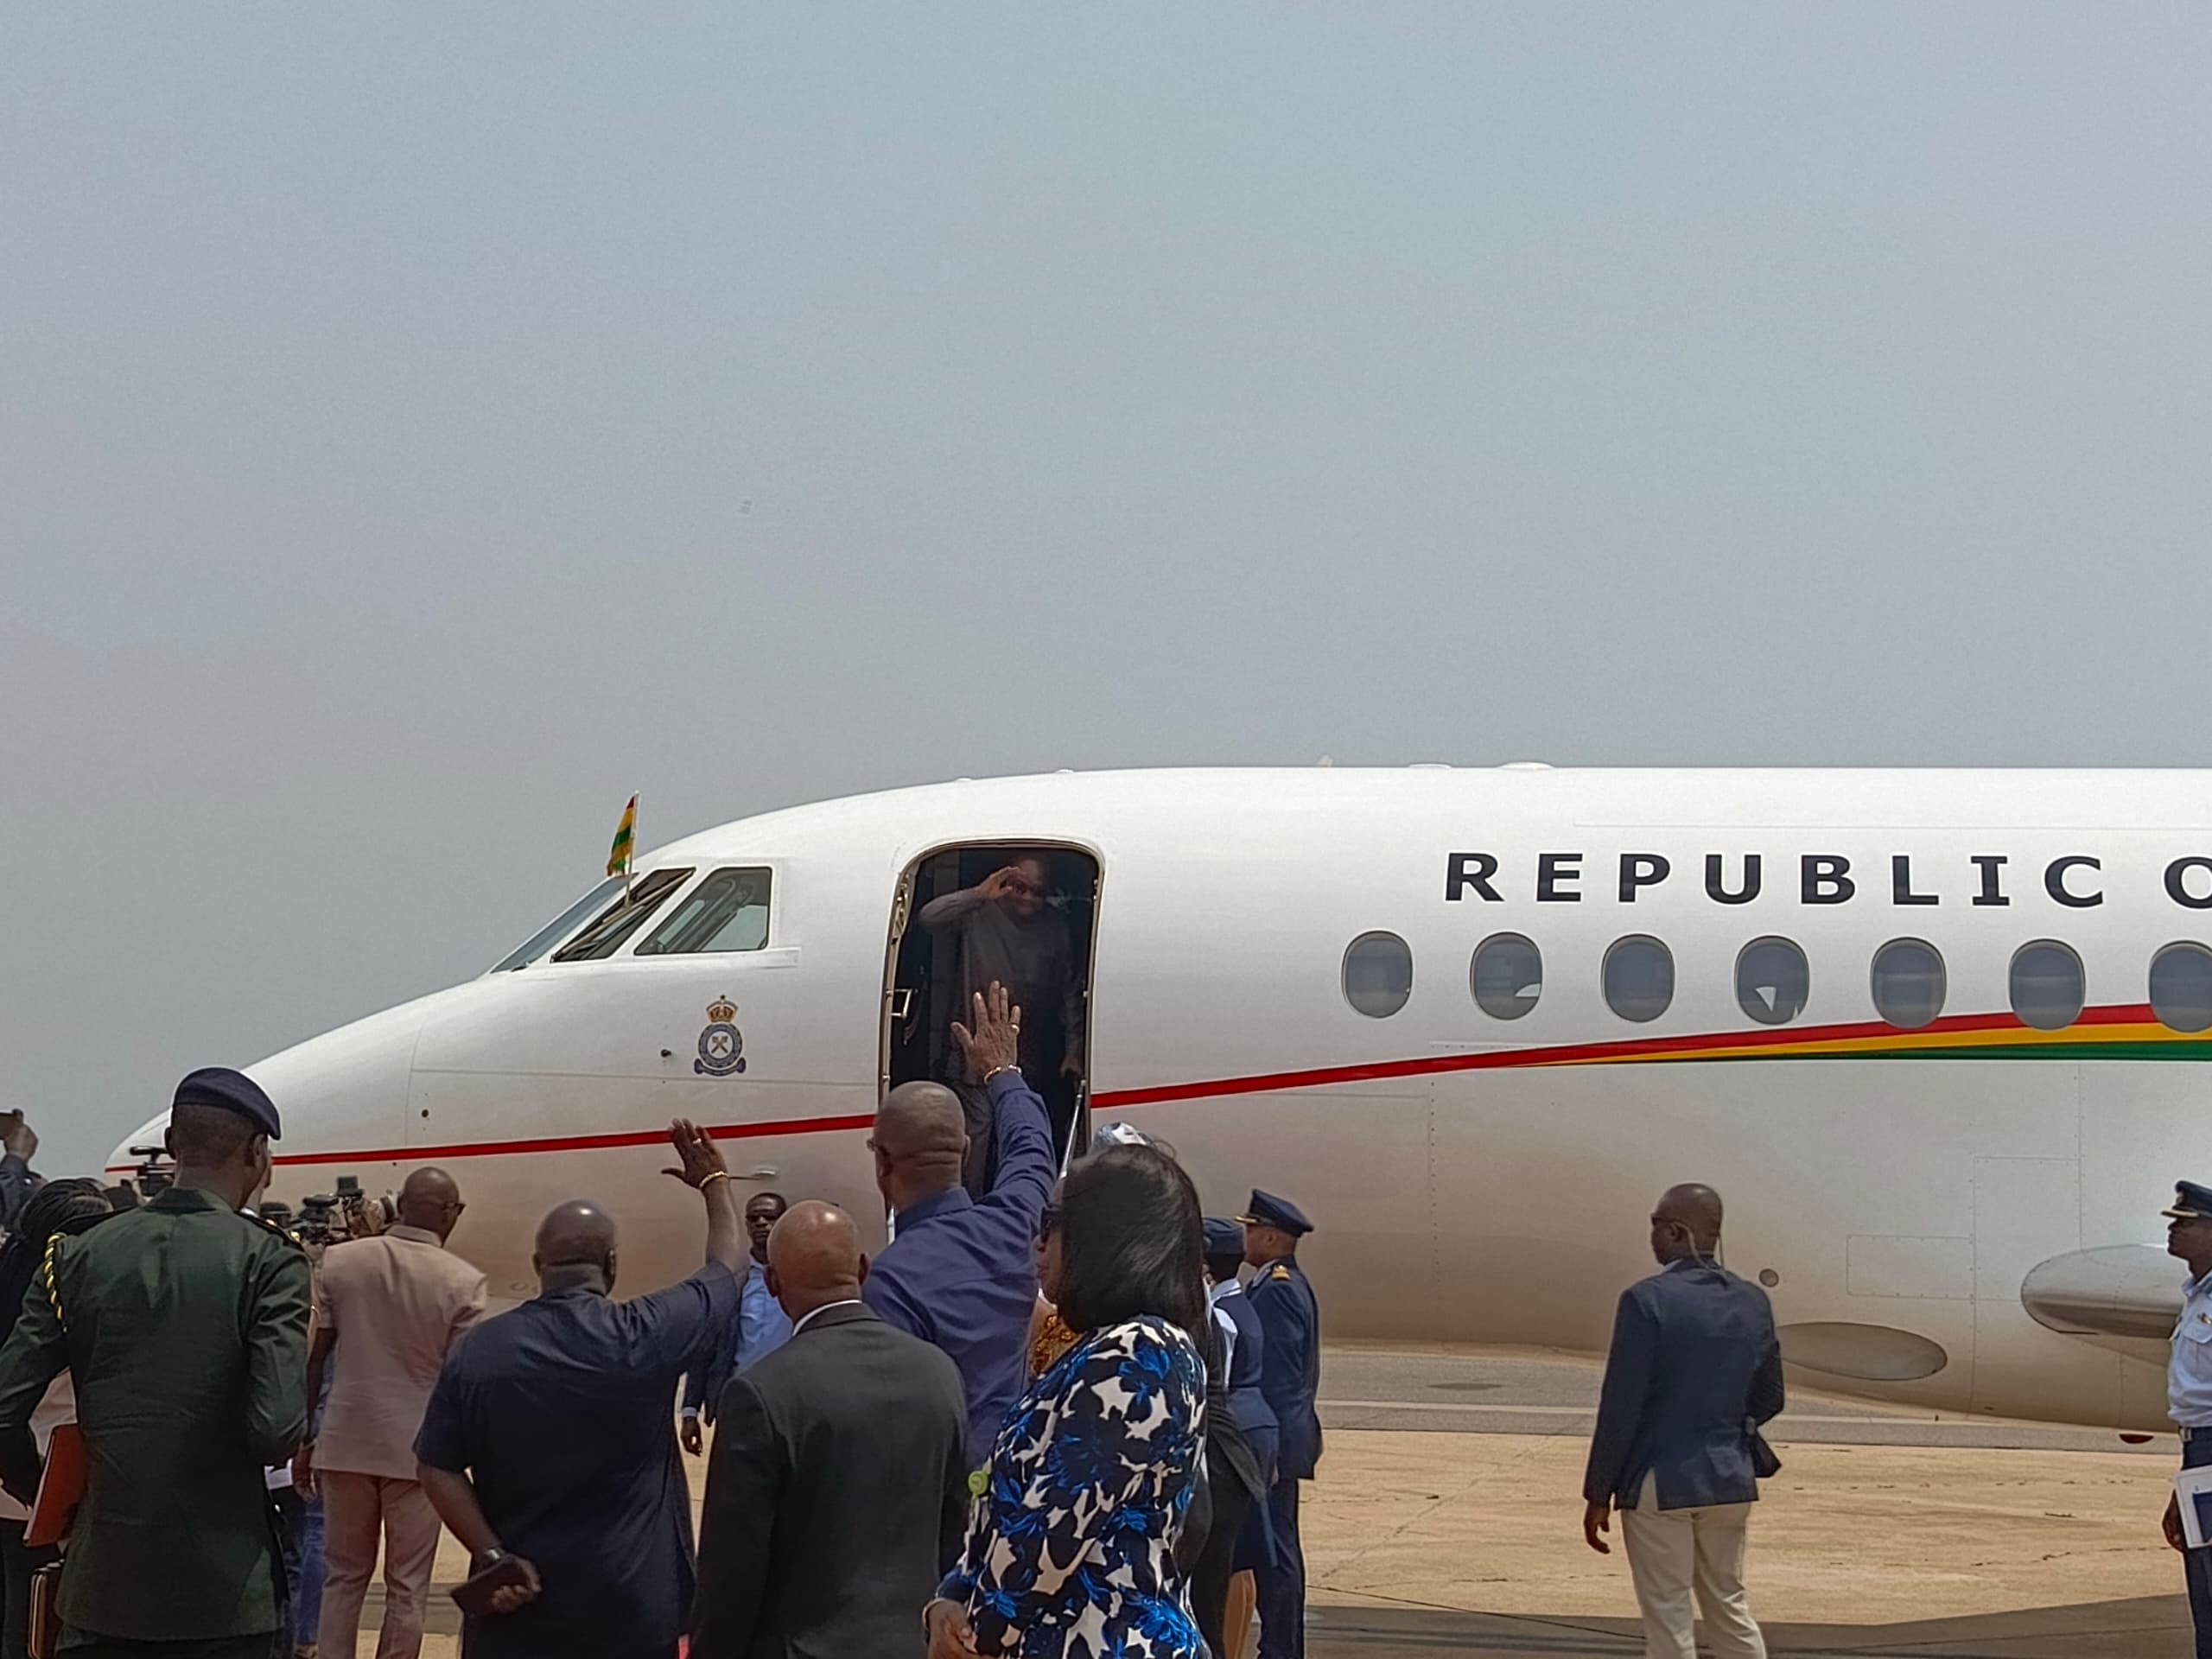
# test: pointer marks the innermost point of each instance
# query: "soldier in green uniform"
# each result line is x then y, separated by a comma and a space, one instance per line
184, 1325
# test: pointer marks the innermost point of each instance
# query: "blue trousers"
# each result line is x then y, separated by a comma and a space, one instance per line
2196, 1453
306, 1580
1282, 1586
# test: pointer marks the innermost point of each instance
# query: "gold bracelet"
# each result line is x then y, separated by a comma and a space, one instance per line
1000, 1072
714, 1176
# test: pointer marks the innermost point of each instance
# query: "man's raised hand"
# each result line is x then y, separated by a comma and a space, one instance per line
995, 1044
702, 1158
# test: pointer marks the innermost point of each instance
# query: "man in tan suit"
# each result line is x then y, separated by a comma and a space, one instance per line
392, 1306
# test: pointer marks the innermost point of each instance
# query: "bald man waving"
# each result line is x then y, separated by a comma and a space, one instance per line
838, 1486
960, 1271
548, 1449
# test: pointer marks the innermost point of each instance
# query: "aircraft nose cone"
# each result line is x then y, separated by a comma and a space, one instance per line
343, 1092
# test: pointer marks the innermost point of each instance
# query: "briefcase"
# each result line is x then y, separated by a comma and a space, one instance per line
46, 1612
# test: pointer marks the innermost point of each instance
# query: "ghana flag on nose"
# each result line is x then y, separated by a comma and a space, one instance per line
618, 860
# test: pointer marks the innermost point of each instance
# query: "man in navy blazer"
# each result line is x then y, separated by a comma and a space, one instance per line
1694, 1372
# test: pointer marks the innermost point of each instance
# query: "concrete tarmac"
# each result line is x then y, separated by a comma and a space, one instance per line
1447, 1519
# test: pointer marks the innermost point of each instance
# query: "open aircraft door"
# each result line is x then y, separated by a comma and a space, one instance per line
925, 974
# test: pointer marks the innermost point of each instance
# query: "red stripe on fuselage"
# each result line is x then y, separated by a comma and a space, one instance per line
557, 1143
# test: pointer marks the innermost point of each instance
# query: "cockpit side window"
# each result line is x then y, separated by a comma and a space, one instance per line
560, 927
623, 918
728, 910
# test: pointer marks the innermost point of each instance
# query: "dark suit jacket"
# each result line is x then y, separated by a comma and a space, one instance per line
836, 1496
1694, 1369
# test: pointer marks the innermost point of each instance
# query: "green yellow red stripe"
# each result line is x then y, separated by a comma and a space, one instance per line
2130, 1032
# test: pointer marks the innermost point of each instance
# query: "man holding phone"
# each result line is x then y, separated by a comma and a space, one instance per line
18, 1180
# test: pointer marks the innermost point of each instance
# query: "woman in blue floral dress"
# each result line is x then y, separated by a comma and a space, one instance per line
1068, 1552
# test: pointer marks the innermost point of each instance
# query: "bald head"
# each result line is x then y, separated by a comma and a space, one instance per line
574, 1241
814, 1258
1687, 1222
919, 1119
920, 1138
430, 1198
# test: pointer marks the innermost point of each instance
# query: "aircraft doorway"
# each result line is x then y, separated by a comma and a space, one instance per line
1043, 904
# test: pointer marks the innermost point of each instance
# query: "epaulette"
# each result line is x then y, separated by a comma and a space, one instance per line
1281, 1272
282, 1233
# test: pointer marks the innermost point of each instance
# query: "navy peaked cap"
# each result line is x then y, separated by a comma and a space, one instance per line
233, 1092
1269, 1211
2191, 1202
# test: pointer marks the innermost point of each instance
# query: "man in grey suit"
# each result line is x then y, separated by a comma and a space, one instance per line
1694, 1372
838, 1490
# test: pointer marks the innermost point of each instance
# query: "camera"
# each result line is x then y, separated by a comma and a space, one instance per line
344, 1212
317, 1212
157, 1171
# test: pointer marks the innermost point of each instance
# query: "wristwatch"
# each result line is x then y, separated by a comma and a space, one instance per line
490, 1559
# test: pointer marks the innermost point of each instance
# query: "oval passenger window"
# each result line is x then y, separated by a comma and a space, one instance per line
1378, 974
1507, 976
1907, 983
1639, 978
1773, 980
2047, 989
2181, 987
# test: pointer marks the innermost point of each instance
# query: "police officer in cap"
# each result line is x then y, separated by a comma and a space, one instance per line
1240, 1464
2188, 1382
185, 1324
1290, 1323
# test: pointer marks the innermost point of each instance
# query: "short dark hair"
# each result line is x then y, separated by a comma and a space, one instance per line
1224, 1267
1130, 1242
54, 1207
208, 1135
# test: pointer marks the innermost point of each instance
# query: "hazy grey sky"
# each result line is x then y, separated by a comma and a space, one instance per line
422, 425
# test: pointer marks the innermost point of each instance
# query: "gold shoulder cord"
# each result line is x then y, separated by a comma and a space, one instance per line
53, 1290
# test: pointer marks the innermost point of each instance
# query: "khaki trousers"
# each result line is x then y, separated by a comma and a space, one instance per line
1673, 1553
356, 1509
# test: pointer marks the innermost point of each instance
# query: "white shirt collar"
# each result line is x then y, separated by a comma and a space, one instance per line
850, 1301
1226, 1288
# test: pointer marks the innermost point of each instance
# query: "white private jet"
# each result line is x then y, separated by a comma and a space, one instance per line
1936, 1036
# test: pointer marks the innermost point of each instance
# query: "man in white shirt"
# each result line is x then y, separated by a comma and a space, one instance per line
395, 1304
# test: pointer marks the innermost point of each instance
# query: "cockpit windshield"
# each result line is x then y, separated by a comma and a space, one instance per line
623, 918
560, 927
728, 910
